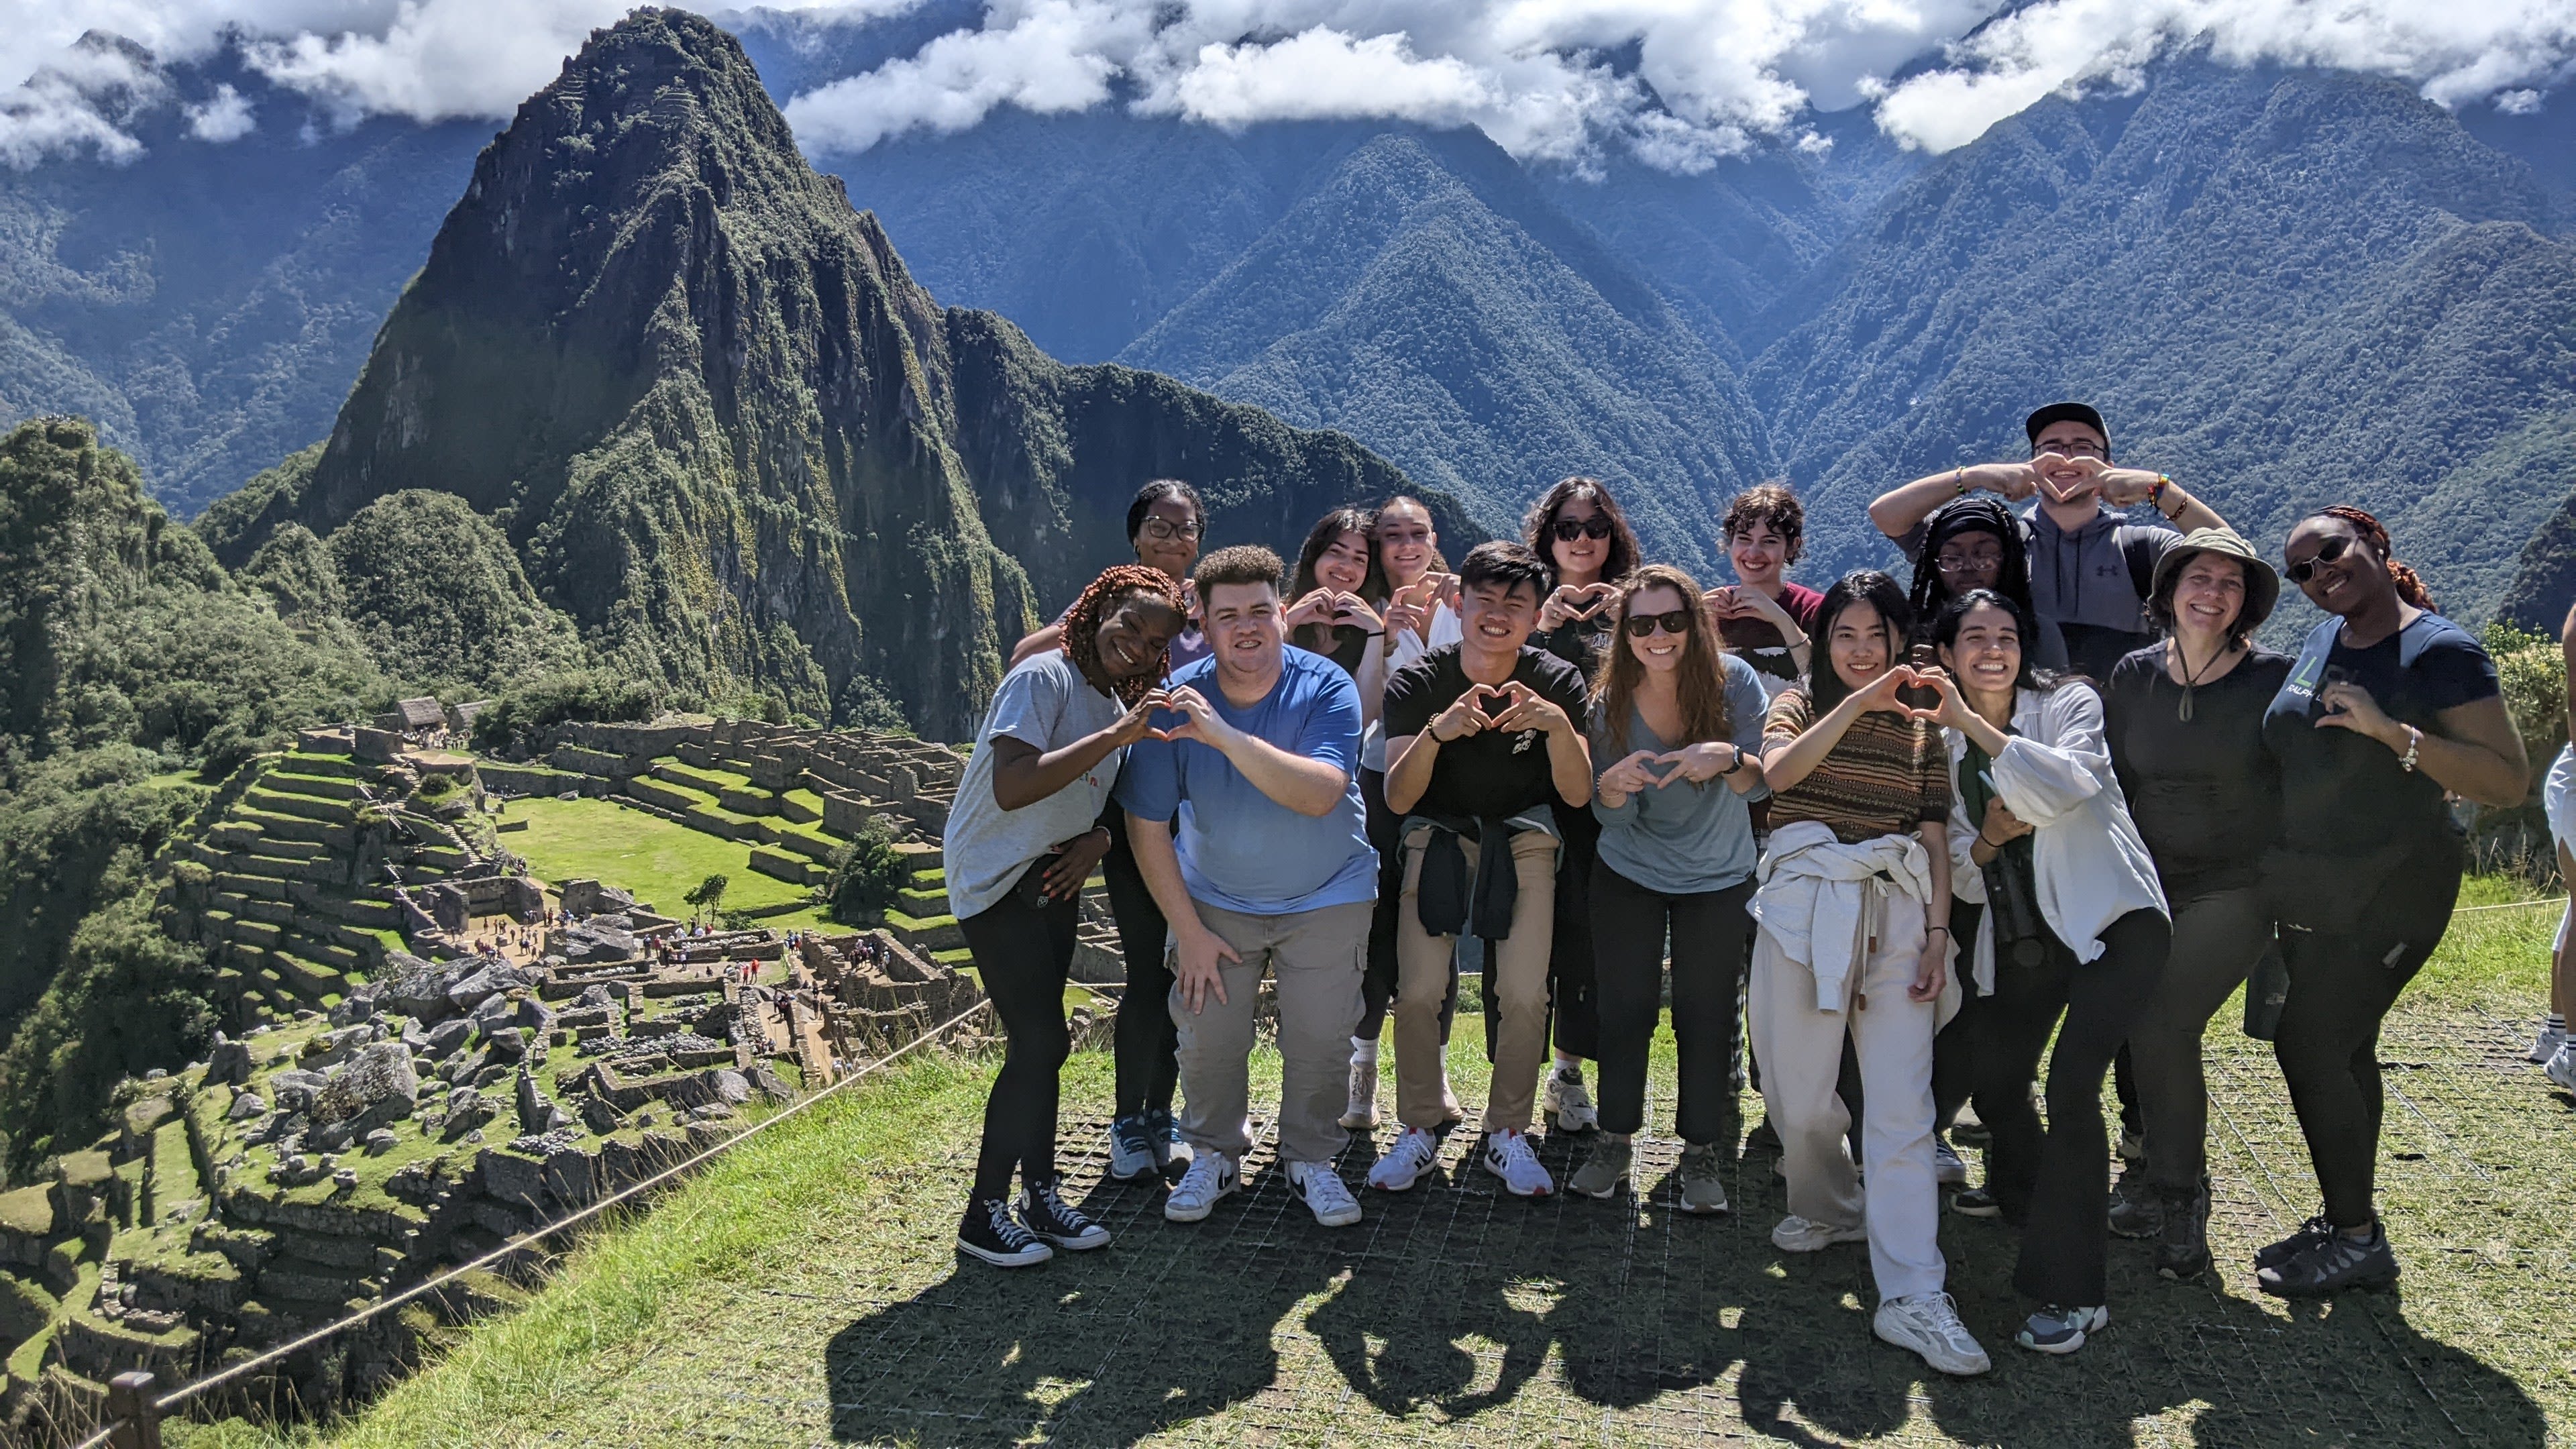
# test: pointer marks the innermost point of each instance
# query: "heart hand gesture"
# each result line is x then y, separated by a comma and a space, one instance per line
1351, 609
1465, 717
2064, 479
1880, 694
1631, 776
1569, 602
1198, 719
1949, 708
1315, 608
1137, 723
1699, 763
1529, 710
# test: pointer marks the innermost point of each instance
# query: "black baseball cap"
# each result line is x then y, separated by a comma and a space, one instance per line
2063, 412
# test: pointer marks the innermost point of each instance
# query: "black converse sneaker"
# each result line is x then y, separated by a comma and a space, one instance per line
1044, 1212
990, 1232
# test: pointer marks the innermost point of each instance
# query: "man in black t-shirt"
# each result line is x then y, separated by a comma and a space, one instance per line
1483, 739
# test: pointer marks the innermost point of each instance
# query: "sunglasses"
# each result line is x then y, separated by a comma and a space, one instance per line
1641, 625
2327, 552
1969, 563
1567, 530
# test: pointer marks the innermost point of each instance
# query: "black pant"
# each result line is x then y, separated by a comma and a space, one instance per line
2220, 929
1954, 1050
2054, 1182
1629, 922
1023, 955
1377, 982
1573, 992
2342, 983
1147, 1044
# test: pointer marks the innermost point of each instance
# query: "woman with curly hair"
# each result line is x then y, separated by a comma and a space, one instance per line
2389, 707
1019, 844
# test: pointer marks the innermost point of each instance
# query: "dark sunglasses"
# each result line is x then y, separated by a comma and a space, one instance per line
2327, 552
1569, 529
1641, 625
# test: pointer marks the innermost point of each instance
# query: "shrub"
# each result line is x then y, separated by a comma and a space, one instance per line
868, 876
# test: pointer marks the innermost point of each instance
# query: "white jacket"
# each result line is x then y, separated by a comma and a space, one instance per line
2087, 858
1819, 899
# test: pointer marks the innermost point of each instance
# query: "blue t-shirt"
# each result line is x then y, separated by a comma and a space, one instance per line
1241, 850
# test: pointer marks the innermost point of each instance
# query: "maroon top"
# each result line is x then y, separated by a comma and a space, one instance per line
1760, 644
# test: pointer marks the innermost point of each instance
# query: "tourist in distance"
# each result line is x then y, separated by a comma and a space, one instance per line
2075, 927
1419, 616
1676, 729
1018, 846
1256, 762
2388, 706
1765, 619
2090, 571
1481, 744
2558, 804
1576, 526
1854, 893
1165, 523
2184, 721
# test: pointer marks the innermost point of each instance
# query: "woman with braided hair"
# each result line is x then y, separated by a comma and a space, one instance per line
2388, 707
1976, 543
1019, 844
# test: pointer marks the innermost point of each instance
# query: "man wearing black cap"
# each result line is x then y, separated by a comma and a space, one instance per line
2090, 570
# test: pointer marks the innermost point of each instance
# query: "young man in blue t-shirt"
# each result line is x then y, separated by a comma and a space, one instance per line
1258, 756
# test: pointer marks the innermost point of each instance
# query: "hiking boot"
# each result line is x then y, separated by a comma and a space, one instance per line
1698, 1187
1044, 1211
1131, 1151
1324, 1193
2182, 1248
1361, 1114
2137, 1211
1947, 1168
2312, 1232
990, 1232
2062, 1330
1567, 1106
1794, 1234
1414, 1153
1209, 1178
2337, 1263
1928, 1324
1507, 1155
1604, 1170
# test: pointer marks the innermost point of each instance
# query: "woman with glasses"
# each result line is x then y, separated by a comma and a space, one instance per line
2074, 928
1164, 526
1676, 730
1976, 543
1577, 527
2389, 706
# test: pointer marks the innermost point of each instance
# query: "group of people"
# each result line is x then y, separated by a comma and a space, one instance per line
2048, 788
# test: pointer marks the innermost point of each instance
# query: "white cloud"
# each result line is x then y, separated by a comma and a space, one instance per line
223, 117
1678, 83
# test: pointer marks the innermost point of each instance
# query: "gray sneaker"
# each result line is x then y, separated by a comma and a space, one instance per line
1699, 1189
1604, 1170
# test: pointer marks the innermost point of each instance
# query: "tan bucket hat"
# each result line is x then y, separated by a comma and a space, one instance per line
2262, 584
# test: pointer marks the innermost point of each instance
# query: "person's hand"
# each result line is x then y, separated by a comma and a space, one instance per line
1137, 722
1198, 719
1879, 694
2126, 487
1699, 763
2083, 475
1190, 599
1529, 710
1734, 601
2016, 482
2000, 824
1073, 863
1315, 608
1465, 715
1569, 602
1413, 606
1932, 969
1195, 954
1351, 609
1949, 708
1632, 776
2350, 707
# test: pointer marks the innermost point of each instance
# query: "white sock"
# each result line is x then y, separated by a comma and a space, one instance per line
1364, 1049
2554, 1022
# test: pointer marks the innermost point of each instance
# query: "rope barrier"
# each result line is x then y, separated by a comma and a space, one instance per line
138, 1423
2512, 905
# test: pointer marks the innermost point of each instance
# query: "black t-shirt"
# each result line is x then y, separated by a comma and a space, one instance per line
1486, 774
1578, 642
2344, 793
2205, 792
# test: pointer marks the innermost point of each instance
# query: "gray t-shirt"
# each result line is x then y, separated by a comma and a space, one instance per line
1047, 703
1684, 838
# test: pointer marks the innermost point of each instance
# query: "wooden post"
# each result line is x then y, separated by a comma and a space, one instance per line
130, 1404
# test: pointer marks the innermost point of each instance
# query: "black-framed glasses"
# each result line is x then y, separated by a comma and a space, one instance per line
1164, 531
1640, 626
1951, 563
2327, 552
1567, 530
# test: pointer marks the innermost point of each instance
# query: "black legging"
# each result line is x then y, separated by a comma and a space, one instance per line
2342, 983
1377, 982
1147, 1043
2221, 927
1954, 1048
1629, 923
1573, 993
2052, 1182
1023, 955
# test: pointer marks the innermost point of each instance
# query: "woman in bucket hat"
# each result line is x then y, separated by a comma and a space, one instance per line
2185, 719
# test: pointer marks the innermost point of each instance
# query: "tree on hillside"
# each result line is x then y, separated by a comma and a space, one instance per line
708, 895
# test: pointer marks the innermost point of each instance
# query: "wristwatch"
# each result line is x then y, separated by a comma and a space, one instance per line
1734, 764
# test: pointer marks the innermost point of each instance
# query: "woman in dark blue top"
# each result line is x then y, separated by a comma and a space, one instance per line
2389, 706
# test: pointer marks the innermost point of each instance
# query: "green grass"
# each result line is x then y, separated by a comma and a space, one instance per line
653, 858
802, 1291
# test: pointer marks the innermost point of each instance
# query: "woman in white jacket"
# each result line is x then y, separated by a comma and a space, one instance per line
2075, 924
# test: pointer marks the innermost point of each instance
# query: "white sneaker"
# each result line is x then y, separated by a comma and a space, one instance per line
1567, 1106
1800, 1235
1412, 1155
1947, 1169
2551, 1039
1361, 1114
1507, 1155
1211, 1176
1928, 1324
2562, 1067
1324, 1192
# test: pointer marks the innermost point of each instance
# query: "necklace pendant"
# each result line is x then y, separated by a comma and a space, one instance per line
2182, 711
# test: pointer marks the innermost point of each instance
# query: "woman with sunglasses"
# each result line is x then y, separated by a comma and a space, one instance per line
1676, 733
2389, 706
1165, 523
2075, 927
1577, 527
